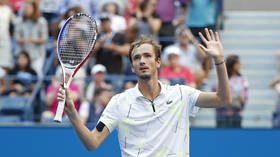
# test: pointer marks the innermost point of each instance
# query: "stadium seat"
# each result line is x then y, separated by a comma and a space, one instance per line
16, 106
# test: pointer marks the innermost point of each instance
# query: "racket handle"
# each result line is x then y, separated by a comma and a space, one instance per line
59, 111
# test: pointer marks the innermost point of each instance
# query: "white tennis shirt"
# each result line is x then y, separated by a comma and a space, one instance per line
147, 132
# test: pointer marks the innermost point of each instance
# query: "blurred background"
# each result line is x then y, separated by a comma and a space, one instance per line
30, 73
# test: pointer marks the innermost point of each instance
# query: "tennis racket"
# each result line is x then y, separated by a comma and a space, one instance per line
75, 42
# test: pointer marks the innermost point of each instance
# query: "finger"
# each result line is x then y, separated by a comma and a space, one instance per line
208, 34
61, 94
217, 36
202, 38
60, 97
203, 48
212, 34
61, 90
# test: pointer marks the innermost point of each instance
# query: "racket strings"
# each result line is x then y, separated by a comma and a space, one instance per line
77, 40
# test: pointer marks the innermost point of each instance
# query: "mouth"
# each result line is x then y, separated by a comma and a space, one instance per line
143, 68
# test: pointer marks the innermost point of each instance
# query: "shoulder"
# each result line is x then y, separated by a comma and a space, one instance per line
188, 91
119, 38
42, 20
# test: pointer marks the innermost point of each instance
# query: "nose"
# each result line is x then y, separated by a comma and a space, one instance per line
142, 60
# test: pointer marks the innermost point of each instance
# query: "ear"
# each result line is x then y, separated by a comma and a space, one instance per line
158, 61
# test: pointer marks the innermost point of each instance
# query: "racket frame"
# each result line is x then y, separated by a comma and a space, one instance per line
69, 71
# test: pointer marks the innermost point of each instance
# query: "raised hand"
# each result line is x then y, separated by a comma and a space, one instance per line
69, 102
213, 44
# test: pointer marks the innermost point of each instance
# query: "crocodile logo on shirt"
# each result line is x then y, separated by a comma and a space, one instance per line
169, 102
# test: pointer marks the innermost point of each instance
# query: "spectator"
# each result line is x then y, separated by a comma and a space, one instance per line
90, 112
55, 28
191, 54
131, 7
3, 85
146, 20
118, 22
219, 16
110, 47
230, 116
6, 16
51, 93
275, 84
174, 71
200, 15
121, 5
167, 10
98, 73
50, 10
24, 76
88, 6
31, 33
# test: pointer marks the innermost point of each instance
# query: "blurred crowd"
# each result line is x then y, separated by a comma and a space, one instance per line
29, 29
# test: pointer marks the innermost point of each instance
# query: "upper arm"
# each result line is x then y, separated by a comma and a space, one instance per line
99, 136
208, 99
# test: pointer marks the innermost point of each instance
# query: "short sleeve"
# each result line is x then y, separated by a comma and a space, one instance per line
190, 95
110, 116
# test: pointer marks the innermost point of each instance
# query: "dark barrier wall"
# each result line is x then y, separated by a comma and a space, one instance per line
62, 142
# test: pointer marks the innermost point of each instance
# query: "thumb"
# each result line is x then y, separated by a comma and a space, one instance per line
203, 48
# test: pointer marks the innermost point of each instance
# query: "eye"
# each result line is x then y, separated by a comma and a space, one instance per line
147, 55
136, 57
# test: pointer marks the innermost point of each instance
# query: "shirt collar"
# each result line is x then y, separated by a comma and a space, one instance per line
162, 90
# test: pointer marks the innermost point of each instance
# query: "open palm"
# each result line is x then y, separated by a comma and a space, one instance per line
213, 44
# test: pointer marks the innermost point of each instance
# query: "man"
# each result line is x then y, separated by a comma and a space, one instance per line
153, 118
175, 72
98, 73
110, 47
96, 106
191, 54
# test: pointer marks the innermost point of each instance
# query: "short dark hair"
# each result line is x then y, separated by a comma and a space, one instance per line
99, 91
231, 60
145, 40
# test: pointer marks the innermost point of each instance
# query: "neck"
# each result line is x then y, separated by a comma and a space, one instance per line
184, 46
176, 68
149, 88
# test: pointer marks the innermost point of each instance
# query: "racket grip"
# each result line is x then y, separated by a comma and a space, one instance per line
59, 111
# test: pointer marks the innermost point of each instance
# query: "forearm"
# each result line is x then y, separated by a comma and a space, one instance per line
223, 91
155, 24
39, 41
88, 140
120, 49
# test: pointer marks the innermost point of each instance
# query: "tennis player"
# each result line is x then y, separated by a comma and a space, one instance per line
152, 118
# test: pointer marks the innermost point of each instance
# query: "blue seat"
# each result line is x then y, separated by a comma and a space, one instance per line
9, 119
14, 106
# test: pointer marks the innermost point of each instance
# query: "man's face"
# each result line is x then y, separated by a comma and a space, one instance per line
183, 39
174, 60
144, 61
98, 77
106, 26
